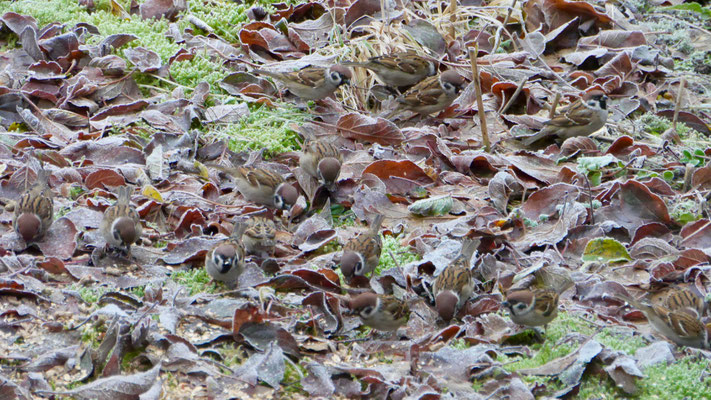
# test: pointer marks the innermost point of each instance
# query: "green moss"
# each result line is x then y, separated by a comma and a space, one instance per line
403, 255
658, 125
273, 129
342, 216
89, 294
621, 341
196, 280
293, 373
233, 354
129, 357
685, 211
91, 335
221, 15
139, 291
686, 378
200, 69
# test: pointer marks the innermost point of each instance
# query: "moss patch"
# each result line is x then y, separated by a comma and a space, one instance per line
196, 280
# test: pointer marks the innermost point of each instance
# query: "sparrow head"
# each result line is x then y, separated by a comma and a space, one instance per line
595, 99
451, 82
124, 231
28, 226
339, 74
519, 302
365, 304
446, 305
352, 264
285, 196
328, 170
225, 257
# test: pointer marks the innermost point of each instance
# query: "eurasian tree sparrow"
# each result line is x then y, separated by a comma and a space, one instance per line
121, 224
258, 238
321, 161
454, 285
381, 312
312, 83
433, 94
34, 211
583, 117
225, 261
264, 187
678, 319
532, 307
361, 254
398, 69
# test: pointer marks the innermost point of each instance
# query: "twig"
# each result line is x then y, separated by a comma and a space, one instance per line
479, 102
397, 264
502, 27
677, 104
688, 174
554, 105
590, 198
515, 95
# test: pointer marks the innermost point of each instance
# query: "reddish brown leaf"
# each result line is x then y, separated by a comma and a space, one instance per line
369, 129
104, 178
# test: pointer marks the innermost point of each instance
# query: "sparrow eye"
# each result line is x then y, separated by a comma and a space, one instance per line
359, 268
278, 201
520, 306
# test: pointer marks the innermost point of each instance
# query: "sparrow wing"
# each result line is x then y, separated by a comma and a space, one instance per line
546, 302
574, 115
258, 177
685, 324
407, 62
261, 228
321, 150
427, 92
398, 309
309, 76
685, 299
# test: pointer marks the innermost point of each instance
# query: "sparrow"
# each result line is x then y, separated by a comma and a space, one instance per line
34, 211
121, 224
264, 187
258, 237
361, 254
433, 94
312, 83
225, 261
677, 319
532, 307
583, 117
381, 312
398, 69
321, 161
454, 285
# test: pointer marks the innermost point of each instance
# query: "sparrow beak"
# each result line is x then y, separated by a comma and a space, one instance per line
505, 304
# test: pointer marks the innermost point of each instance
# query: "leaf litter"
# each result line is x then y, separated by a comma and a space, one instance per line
622, 212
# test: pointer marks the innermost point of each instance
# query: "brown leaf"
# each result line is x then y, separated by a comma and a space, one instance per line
366, 128
60, 239
145, 60
103, 178
399, 176
168, 9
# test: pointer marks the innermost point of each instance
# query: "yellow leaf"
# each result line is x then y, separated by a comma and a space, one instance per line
152, 193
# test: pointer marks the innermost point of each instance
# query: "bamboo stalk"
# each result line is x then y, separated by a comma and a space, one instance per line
473, 53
